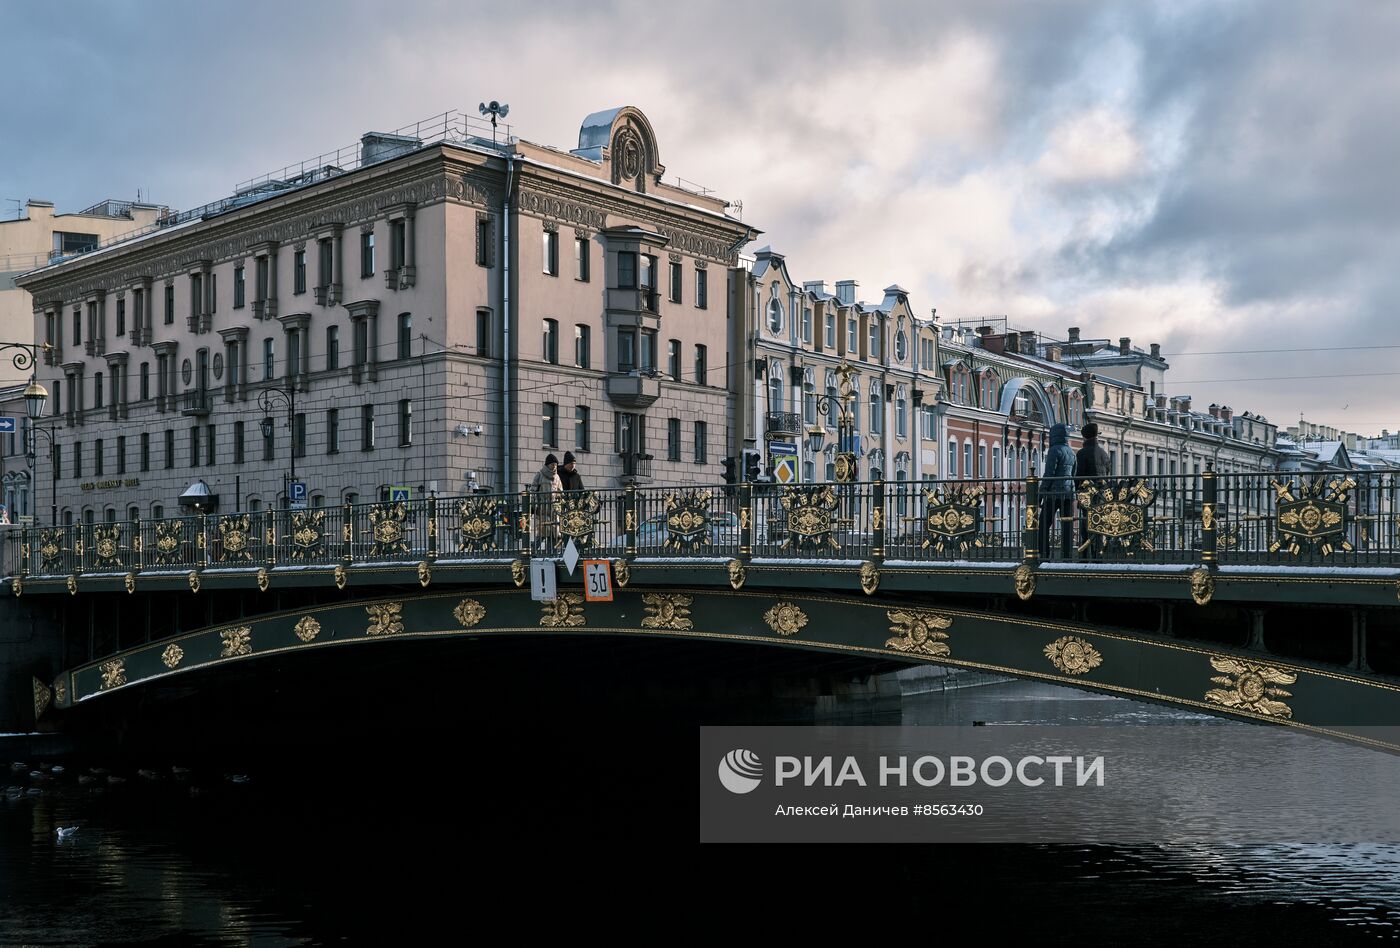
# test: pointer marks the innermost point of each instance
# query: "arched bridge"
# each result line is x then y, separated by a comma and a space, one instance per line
1284, 623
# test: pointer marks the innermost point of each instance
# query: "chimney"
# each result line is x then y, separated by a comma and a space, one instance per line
1214, 411
1125, 345
1011, 342
1052, 353
984, 331
1156, 350
1227, 413
1028, 343
1074, 334
815, 286
1186, 403
846, 291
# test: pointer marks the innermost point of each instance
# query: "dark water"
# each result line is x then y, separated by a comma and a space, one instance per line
589, 824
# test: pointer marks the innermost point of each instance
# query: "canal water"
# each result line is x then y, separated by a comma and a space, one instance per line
592, 826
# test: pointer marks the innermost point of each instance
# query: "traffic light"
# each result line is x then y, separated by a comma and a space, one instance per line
753, 464
730, 477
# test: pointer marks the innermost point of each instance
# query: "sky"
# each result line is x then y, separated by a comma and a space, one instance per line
1217, 177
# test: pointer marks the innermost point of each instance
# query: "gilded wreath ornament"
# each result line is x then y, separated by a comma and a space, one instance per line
172, 655
919, 631
236, 642
1313, 515
1251, 686
113, 673
385, 618
785, 618
566, 611
811, 517
1116, 515
576, 514
468, 613
667, 611
307, 628
1072, 655
235, 541
388, 530
170, 541
106, 544
952, 517
688, 520
476, 524
308, 536
50, 550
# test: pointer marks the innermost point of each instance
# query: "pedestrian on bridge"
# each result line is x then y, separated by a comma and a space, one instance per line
1091, 461
1057, 493
543, 490
569, 477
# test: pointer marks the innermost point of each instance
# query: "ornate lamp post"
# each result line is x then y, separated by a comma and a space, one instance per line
268, 400
845, 436
35, 397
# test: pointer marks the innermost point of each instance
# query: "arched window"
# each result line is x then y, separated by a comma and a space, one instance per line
967, 460
809, 395
877, 407
775, 309
776, 401
901, 342
952, 471
901, 474
877, 465
901, 412
833, 410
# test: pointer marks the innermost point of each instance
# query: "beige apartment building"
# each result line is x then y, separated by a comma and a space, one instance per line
435, 309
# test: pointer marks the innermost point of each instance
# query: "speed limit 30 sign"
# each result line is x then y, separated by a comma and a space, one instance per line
597, 581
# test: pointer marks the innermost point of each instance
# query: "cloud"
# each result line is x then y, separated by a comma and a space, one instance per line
1097, 145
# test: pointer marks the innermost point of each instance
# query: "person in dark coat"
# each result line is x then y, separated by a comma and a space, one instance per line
1091, 461
1057, 492
569, 476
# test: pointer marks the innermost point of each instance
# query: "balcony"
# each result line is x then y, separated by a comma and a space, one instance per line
53, 355
787, 423
636, 467
328, 295
634, 300
633, 389
95, 347
400, 279
196, 403
198, 322
264, 309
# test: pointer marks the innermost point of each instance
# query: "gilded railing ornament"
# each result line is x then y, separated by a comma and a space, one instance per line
687, 520
629, 521
425, 573
877, 518
387, 530
517, 573
1202, 585
308, 534
919, 631
107, 545
737, 573
236, 642
811, 517
844, 469
339, 576
43, 697
869, 577
566, 611
622, 572
113, 673
193, 580
129, 581
952, 517
172, 655
1031, 519
50, 550
72, 585
263, 579
476, 524
1116, 516
1250, 686
60, 689
170, 541
1315, 518
1024, 577
1207, 516
576, 514
17, 586
469, 613
785, 618
667, 611
385, 618
307, 628
1072, 655
235, 543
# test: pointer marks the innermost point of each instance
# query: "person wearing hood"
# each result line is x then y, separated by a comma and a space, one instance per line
1091, 461
545, 485
1057, 493
569, 476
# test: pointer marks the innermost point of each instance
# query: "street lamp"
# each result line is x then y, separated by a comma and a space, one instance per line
31, 450
845, 437
268, 400
35, 395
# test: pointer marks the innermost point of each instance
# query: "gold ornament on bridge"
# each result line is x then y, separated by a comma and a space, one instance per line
113, 674
172, 655
129, 581
385, 618
308, 534
1315, 518
307, 628
737, 573
237, 642
577, 516
869, 577
43, 697
877, 518
919, 631
687, 520
566, 611
667, 611
387, 530
425, 573
106, 545
1202, 585
629, 521
517, 572
338, 574
263, 579
1116, 516
1072, 655
1208, 517
785, 618
170, 541
1031, 520
811, 517
60, 690
50, 550
469, 613
235, 545
952, 516
1249, 686
622, 572
72, 585
476, 524
1024, 577
17, 586
193, 579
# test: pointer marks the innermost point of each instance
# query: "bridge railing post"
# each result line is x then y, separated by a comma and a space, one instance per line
138, 546
347, 533
432, 526
1030, 534
24, 548
1209, 489
746, 521
877, 521
522, 525
629, 519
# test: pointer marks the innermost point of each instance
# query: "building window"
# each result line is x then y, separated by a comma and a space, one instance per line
367, 254
121, 317
78, 326
238, 429
702, 294
648, 363
398, 243
97, 457
901, 345
675, 281
209, 444
405, 335
626, 270
366, 427
673, 439
702, 447
483, 241
874, 339
581, 346
551, 252
673, 359
809, 396
169, 308
877, 409
549, 346
952, 459
299, 273
901, 418
581, 433
194, 446
405, 422
299, 434
483, 333
830, 323
807, 324
333, 431
239, 287
97, 390
626, 350
852, 337
145, 450
269, 433
332, 348
77, 459
775, 312
169, 448
269, 360
967, 459
648, 279
701, 365
550, 430
981, 460
121, 454
581, 261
